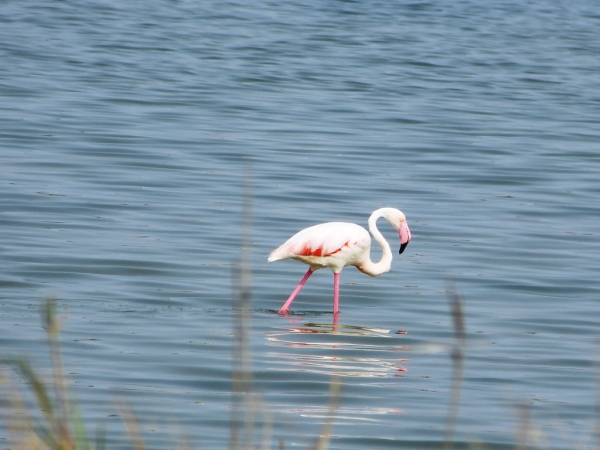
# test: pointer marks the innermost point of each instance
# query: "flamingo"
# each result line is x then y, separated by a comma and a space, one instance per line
340, 244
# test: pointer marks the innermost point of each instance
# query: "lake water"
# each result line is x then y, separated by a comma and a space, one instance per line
126, 129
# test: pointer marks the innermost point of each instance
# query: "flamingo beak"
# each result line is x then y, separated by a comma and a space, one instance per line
405, 236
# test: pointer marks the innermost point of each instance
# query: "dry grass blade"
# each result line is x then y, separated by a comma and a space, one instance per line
457, 357
39, 389
242, 418
19, 424
52, 432
524, 426
133, 427
61, 414
267, 433
334, 398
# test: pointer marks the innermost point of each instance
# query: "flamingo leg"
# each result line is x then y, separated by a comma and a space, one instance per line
336, 293
286, 305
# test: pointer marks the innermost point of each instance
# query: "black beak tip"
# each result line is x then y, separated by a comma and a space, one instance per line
402, 248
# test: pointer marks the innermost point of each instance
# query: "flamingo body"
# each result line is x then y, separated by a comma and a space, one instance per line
339, 244
332, 244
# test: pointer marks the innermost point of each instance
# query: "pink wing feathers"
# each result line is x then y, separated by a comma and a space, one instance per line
323, 240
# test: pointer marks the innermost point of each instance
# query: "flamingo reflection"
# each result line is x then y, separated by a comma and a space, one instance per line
338, 349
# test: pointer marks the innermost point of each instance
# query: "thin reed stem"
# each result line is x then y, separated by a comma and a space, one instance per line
457, 358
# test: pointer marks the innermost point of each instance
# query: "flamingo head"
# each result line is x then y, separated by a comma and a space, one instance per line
397, 219
405, 236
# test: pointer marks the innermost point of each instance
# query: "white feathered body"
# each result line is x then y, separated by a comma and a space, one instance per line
332, 244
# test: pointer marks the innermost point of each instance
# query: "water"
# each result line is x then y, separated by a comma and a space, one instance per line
125, 130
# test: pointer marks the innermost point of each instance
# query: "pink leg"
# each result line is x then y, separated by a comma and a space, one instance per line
289, 301
336, 293
336, 321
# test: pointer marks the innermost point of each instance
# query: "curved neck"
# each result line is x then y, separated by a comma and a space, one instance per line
384, 265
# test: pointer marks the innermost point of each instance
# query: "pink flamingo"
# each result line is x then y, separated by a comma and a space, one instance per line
340, 244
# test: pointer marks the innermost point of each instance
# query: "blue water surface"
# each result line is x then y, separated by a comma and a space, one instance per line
130, 133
